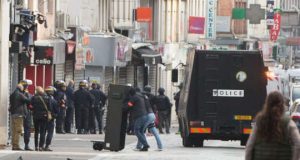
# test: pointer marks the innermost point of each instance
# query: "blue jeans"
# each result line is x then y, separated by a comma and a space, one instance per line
139, 125
152, 129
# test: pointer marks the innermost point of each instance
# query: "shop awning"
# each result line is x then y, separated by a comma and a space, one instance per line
145, 55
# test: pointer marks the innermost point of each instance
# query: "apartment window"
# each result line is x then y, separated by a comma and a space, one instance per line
240, 26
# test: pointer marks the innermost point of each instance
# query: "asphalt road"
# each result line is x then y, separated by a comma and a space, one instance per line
79, 147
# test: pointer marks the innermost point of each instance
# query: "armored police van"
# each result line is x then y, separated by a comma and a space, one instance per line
222, 92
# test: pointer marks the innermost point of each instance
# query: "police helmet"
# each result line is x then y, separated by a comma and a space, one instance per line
25, 82
180, 85
147, 88
60, 84
161, 90
50, 90
83, 83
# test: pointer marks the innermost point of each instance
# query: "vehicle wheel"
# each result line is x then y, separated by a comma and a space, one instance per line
98, 146
244, 141
187, 142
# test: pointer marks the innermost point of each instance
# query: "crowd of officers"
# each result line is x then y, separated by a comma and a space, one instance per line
54, 107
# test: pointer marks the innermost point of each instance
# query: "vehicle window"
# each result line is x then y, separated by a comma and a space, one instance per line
296, 93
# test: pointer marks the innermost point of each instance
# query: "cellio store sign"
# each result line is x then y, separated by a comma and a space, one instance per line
211, 19
43, 55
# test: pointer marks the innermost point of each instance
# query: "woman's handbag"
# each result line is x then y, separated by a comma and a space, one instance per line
49, 114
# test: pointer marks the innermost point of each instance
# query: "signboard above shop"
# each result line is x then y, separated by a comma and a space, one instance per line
50, 51
196, 25
43, 55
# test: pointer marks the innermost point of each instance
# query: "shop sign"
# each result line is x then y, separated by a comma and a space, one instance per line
79, 65
270, 13
223, 24
123, 49
211, 19
293, 41
144, 14
89, 56
196, 25
43, 55
274, 31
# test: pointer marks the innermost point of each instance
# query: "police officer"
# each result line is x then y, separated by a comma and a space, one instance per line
61, 98
163, 105
70, 106
176, 98
50, 90
18, 102
151, 97
100, 99
82, 101
28, 114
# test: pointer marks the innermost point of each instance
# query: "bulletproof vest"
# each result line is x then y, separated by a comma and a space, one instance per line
275, 149
162, 103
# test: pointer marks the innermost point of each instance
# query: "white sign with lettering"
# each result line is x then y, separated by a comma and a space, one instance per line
211, 19
228, 93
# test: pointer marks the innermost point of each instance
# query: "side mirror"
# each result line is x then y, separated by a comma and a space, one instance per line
175, 75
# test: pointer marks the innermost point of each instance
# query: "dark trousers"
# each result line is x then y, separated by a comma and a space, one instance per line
99, 116
82, 121
50, 131
92, 124
27, 128
69, 118
60, 121
40, 130
164, 120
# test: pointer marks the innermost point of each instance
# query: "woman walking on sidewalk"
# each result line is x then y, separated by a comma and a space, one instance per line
274, 135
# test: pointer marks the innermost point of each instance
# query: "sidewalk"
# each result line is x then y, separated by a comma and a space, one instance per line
173, 150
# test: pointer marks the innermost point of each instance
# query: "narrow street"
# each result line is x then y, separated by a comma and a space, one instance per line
79, 147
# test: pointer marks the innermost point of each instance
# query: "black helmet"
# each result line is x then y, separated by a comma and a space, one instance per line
180, 85
147, 88
132, 91
161, 90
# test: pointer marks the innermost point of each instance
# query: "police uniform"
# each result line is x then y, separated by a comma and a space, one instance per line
53, 107
82, 101
163, 105
61, 99
100, 99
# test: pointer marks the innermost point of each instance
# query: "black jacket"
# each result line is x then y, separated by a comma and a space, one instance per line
100, 97
82, 98
150, 102
18, 103
53, 106
39, 109
61, 98
70, 94
137, 106
163, 103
